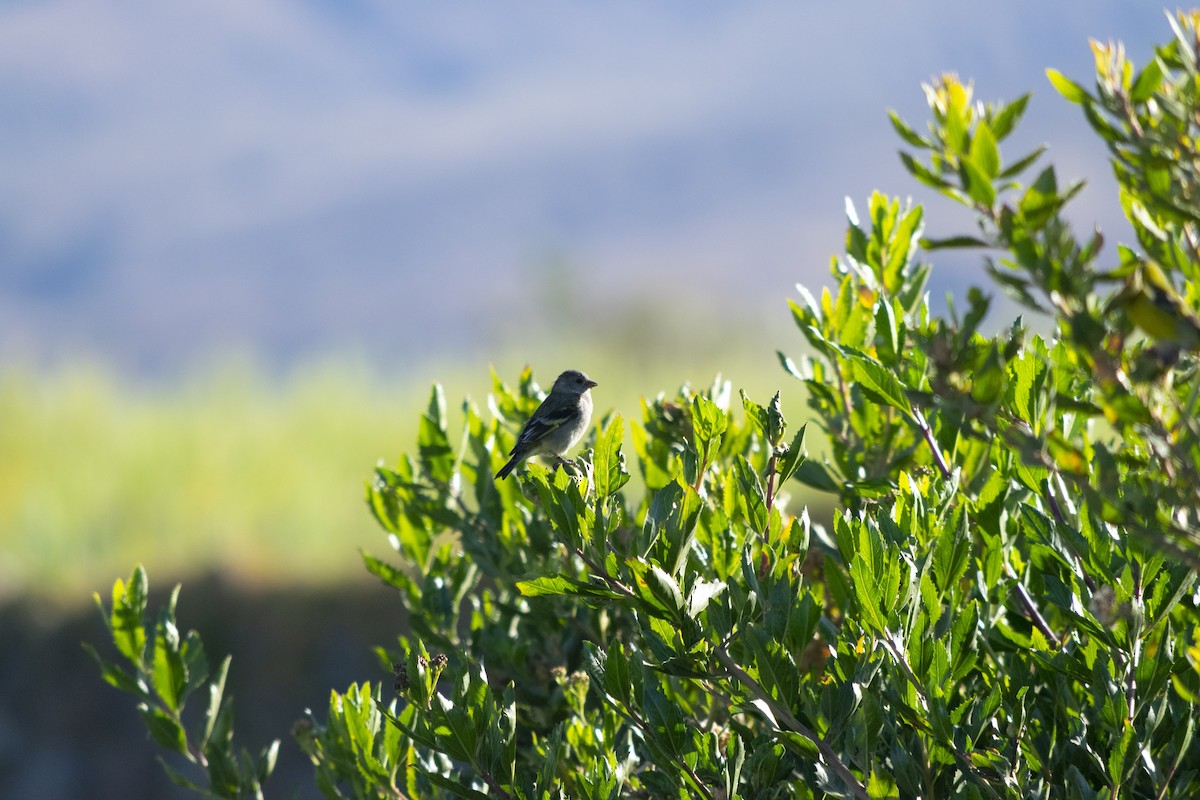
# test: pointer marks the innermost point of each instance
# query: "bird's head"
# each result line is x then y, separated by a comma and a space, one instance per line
573, 381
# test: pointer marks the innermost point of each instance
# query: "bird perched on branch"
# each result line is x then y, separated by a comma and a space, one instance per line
558, 423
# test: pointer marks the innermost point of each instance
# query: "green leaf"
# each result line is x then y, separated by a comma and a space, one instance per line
1008, 116
793, 457
923, 173
708, 423
1041, 200
433, 447
978, 185
1068, 88
563, 501
113, 675
1023, 163
195, 662
549, 585
788, 365
169, 674
953, 242
164, 729
658, 589
984, 153
212, 711
1120, 755
701, 595
554, 585
816, 475
887, 333
1147, 82
128, 612
908, 134
617, 679
670, 524
609, 466
390, 575
752, 498
881, 384
776, 424
665, 589
755, 414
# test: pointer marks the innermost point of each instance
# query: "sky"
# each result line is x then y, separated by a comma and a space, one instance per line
424, 179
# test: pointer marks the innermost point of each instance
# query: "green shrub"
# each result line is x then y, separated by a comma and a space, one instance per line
1004, 606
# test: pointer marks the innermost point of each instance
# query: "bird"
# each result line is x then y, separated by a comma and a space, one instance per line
558, 423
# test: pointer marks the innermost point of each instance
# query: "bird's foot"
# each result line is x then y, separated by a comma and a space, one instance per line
568, 465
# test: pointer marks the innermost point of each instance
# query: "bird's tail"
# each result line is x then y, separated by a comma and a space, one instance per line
507, 468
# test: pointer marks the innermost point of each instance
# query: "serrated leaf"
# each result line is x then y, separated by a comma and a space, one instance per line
548, 586
126, 618
617, 679
753, 499
665, 588
609, 464
881, 384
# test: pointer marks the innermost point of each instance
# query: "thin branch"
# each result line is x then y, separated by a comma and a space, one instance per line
492, 782
1035, 616
771, 481
938, 459
604, 576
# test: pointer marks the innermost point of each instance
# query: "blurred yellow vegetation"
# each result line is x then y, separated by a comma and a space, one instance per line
224, 470
261, 477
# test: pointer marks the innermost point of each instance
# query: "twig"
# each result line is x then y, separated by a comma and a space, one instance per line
1032, 610
604, 576
938, 459
771, 474
492, 782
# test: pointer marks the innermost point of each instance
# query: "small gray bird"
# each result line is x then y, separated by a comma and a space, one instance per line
558, 423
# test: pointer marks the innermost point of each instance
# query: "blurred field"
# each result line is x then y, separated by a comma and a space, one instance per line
225, 469
259, 477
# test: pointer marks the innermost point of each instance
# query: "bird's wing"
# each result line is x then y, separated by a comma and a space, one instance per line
540, 425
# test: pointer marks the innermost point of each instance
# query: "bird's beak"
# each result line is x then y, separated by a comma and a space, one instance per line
591, 384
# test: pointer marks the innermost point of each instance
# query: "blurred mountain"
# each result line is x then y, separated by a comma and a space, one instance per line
422, 179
